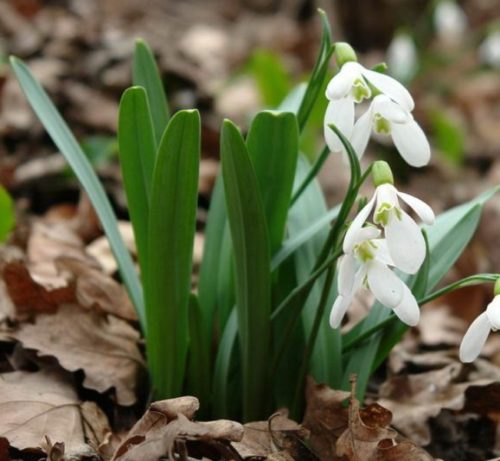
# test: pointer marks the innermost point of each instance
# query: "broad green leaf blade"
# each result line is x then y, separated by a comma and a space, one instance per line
137, 158
7, 214
273, 142
198, 372
145, 73
251, 261
325, 364
223, 402
447, 238
294, 242
69, 147
172, 222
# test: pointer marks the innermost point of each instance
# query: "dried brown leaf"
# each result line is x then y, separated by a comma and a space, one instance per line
45, 404
166, 427
104, 348
325, 418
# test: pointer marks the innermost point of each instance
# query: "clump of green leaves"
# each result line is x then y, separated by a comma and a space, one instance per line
258, 322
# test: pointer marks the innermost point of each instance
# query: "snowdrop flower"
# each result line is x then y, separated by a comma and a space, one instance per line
405, 242
366, 261
478, 332
450, 21
352, 85
386, 116
402, 57
489, 50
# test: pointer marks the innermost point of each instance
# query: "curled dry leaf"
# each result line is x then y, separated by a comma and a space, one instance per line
105, 348
277, 438
325, 418
45, 404
416, 398
166, 428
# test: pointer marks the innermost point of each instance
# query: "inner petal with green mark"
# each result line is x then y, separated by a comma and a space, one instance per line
382, 125
384, 212
360, 90
364, 250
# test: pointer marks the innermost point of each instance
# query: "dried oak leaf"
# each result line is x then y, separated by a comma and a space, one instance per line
366, 429
277, 438
166, 428
325, 418
415, 398
45, 404
105, 348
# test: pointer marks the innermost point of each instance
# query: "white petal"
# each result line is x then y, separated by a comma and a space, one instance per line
347, 271
391, 87
361, 132
387, 193
411, 143
493, 312
340, 85
381, 252
406, 242
407, 310
423, 210
340, 113
474, 338
384, 284
390, 110
342, 302
353, 236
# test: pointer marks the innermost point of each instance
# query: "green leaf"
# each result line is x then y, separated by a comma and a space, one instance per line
251, 261
198, 372
137, 158
172, 222
69, 147
7, 214
325, 361
272, 144
145, 73
270, 75
449, 137
223, 403
294, 242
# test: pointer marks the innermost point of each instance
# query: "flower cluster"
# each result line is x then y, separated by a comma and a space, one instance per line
368, 259
389, 113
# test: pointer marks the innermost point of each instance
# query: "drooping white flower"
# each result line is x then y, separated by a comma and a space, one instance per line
489, 50
478, 332
402, 57
385, 116
366, 261
350, 86
450, 21
352, 80
405, 242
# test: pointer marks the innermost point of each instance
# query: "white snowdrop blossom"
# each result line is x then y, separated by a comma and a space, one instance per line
450, 21
478, 332
489, 50
402, 57
352, 85
385, 116
366, 261
405, 243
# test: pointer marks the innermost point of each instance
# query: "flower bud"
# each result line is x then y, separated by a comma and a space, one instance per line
382, 173
344, 53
